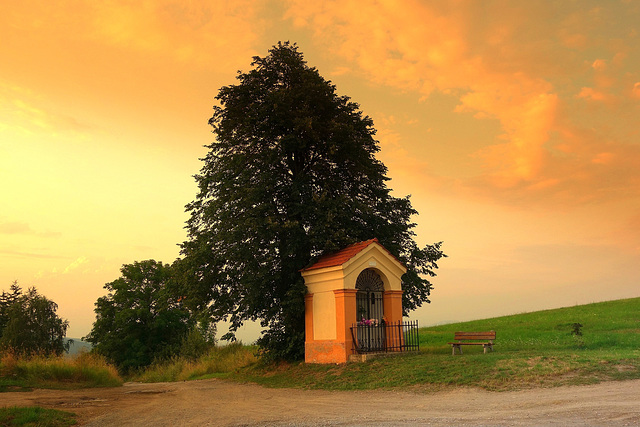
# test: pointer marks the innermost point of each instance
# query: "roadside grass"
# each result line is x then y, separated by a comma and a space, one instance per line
218, 362
35, 416
531, 350
82, 371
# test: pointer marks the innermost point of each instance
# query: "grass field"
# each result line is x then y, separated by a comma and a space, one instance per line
531, 350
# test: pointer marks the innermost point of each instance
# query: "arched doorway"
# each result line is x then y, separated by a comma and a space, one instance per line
370, 312
369, 301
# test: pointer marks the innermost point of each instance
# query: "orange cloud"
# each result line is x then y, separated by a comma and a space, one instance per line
211, 34
526, 117
190, 31
421, 49
502, 64
599, 64
394, 149
603, 158
592, 94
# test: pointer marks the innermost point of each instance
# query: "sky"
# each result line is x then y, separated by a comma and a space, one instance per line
513, 126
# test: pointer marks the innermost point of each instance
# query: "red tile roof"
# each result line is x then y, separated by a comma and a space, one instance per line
338, 258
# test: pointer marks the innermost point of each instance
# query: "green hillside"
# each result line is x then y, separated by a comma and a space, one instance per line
531, 350
610, 326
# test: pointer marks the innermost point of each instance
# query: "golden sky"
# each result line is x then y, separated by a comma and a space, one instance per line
513, 125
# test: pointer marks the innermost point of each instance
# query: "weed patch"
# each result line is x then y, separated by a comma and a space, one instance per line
35, 416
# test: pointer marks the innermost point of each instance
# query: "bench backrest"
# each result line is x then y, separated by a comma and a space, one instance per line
491, 335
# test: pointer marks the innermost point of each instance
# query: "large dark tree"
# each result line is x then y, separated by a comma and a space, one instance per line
291, 175
140, 320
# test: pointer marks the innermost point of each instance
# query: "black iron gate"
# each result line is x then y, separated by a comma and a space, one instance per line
385, 337
370, 312
370, 306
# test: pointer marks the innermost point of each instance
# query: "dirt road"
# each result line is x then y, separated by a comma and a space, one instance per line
222, 403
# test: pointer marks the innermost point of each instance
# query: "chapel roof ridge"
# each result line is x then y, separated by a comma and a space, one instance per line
340, 257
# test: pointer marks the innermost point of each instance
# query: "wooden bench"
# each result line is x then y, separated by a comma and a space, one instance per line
473, 338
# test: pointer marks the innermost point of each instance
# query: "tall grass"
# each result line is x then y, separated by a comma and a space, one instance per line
217, 362
83, 370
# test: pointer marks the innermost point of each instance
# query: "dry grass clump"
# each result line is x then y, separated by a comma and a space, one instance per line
217, 361
82, 370
8, 363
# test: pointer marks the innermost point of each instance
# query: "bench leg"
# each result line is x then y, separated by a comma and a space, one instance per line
453, 349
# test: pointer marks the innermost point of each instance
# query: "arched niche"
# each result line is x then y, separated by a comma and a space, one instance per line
369, 295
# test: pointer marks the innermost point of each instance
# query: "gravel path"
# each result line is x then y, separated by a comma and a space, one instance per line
221, 403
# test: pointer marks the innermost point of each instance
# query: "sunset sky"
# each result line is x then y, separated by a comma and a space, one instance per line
513, 125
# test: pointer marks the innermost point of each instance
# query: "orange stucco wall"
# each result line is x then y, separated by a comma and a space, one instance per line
345, 316
392, 301
308, 317
339, 349
326, 351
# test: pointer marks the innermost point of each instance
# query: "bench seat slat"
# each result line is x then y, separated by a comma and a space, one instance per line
475, 336
469, 343
485, 339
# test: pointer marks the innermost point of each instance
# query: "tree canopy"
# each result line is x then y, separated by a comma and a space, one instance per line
29, 323
292, 174
140, 319
7, 298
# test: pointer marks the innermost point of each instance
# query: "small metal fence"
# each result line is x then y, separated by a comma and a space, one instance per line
399, 336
